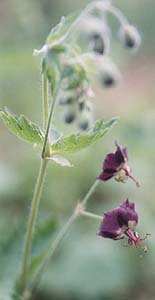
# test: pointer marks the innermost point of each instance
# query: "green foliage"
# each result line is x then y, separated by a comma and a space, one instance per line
22, 127
76, 142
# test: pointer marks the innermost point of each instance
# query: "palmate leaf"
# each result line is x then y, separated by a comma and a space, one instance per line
76, 142
22, 127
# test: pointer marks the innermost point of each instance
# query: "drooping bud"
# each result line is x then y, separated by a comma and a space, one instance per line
130, 37
69, 113
81, 104
108, 74
85, 116
83, 121
94, 33
96, 43
66, 100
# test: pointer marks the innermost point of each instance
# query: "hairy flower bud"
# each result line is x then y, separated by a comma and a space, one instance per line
83, 121
81, 104
96, 43
66, 100
130, 37
69, 113
108, 74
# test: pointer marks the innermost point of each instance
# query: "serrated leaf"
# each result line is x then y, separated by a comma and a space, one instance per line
22, 127
60, 30
76, 142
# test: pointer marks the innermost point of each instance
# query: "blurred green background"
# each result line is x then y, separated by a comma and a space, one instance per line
85, 266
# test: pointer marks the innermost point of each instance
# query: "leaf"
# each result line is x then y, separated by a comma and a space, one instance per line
61, 161
76, 142
22, 127
54, 134
60, 30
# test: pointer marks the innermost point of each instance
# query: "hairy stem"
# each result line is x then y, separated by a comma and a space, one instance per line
89, 193
21, 283
79, 210
31, 224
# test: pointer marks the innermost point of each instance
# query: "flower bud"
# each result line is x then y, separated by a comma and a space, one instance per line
69, 113
84, 120
108, 75
81, 104
130, 37
94, 33
66, 100
96, 43
73, 77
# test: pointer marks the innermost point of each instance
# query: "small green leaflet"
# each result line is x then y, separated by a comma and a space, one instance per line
61, 29
76, 142
22, 127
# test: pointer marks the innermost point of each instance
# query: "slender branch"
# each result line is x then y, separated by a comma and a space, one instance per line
79, 210
45, 100
90, 215
50, 253
118, 14
89, 193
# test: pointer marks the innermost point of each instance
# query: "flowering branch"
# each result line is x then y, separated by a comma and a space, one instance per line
79, 210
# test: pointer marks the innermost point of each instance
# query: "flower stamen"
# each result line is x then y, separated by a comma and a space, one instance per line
135, 240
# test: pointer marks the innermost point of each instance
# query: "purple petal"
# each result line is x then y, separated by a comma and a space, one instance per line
116, 221
105, 176
113, 162
121, 154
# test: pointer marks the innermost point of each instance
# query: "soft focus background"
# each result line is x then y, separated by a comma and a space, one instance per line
85, 266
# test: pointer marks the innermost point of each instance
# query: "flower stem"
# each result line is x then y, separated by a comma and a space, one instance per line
89, 193
91, 215
45, 100
31, 224
50, 253
54, 244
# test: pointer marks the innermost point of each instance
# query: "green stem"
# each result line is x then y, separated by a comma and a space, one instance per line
45, 100
21, 284
45, 151
89, 193
54, 244
91, 215
31, 223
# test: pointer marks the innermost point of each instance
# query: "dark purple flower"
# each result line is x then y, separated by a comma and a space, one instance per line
119, 222
114, 165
